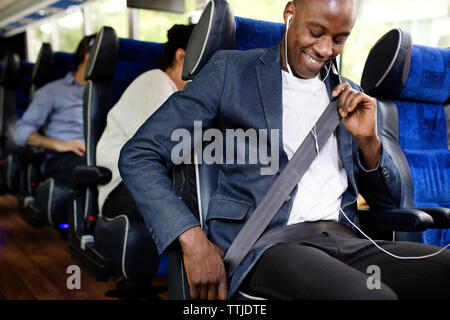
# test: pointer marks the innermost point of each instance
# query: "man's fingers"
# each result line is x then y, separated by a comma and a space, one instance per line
339, 88
212, 292
357, 99
77, 151
204, 292
222, 291
82, 146
219, 251
194, 291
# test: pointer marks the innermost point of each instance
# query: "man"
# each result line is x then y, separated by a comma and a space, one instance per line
57, 110
269, 89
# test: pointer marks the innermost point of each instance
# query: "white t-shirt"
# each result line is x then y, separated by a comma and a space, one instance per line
320, 190
138, 102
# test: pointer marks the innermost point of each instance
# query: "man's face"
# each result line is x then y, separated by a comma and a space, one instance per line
317, 33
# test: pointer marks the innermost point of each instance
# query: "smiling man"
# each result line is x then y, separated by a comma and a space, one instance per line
286, 88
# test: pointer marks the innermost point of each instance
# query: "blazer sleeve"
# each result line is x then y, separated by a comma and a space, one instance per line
145, 160
381, 187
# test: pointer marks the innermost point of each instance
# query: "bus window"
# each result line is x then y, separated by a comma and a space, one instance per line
109, 13
427, 21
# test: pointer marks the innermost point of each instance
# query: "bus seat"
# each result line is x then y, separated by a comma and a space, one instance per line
11, 166
96, 102
135, 57
413, 124
9, 82
254, 34
43, 71
23, 89
38, 200
103, 246
30, 158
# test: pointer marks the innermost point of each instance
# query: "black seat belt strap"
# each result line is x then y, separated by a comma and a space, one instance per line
281, 189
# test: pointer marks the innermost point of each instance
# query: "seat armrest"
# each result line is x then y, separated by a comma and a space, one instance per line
441, 216
401, 220
88, 175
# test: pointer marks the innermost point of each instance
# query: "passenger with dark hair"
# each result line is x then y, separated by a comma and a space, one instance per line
57, 112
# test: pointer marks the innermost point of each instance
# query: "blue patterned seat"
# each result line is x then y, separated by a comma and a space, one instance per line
421, 120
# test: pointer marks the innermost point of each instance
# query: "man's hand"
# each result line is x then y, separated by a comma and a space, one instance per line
204, 266
75, 146
358, 112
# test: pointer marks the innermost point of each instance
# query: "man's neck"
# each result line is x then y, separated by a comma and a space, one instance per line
79, 75
174, 74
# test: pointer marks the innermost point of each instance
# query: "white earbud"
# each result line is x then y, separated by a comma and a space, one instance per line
286, 44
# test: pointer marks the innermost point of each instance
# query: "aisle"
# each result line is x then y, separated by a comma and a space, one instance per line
33, 262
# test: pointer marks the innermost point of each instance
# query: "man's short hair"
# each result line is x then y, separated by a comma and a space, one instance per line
178, 37
84, 47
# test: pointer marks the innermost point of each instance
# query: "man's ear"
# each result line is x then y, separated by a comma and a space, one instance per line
289, 10
179, 56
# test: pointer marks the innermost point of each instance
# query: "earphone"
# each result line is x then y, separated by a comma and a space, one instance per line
387, 252
286, 44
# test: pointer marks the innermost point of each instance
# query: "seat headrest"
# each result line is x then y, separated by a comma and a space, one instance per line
43, 68
103, 56
388, 64
10, 72
429, 77
253, 34
216, 30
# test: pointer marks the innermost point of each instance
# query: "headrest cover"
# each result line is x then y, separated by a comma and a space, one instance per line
43, 68
216, 30
388, 64
10, 72
253, 34
103, 56
429, 78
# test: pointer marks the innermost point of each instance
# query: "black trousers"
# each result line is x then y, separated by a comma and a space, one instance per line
336, 266
120, 201
61, 165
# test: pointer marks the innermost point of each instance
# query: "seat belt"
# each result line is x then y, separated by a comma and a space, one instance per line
281, 188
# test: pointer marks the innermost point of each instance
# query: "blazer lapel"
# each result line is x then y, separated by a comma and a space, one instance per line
270, 88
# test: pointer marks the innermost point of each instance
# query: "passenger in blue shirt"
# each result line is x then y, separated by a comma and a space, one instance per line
57, 112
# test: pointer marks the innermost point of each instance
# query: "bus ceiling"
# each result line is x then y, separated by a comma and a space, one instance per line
16, 16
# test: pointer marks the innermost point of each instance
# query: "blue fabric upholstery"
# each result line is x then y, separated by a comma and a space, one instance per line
135, 57
422, 126
429, 78
251, 34
431, 175
23, 90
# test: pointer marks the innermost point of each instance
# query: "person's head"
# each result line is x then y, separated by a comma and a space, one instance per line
175, 47
82, 52
318, 30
